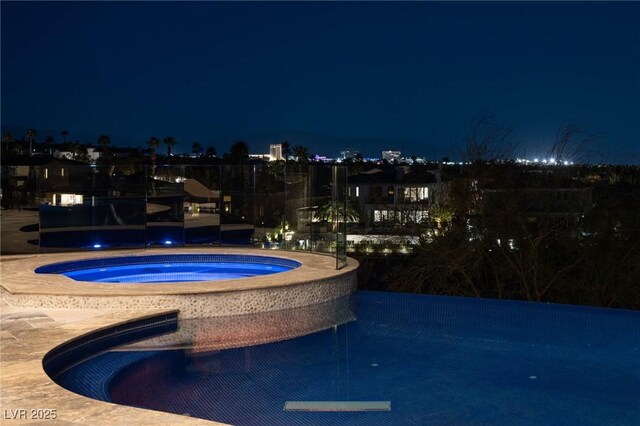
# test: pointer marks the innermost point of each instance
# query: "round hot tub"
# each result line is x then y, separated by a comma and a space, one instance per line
198, 282
169, 268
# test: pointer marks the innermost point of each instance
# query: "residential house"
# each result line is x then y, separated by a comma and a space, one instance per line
394, 197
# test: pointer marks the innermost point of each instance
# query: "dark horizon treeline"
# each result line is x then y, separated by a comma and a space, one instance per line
13, 147
523, 247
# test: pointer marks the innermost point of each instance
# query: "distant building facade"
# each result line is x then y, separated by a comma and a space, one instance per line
391, 156
275, 152
92, 154
349, 153
265, 157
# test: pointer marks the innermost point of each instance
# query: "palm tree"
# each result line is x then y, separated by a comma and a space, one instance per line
65, 133
211, 152
31, 134
83, 155
8, 142
104, 141
153, 143
286, 150
336, 212
75, 150
50, 142
441, 214
196, 149
239, 151
170, 141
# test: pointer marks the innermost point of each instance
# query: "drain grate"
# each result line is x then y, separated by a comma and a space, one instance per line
337, 406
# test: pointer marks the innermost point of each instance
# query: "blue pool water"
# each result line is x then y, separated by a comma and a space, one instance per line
438, 360
169, 268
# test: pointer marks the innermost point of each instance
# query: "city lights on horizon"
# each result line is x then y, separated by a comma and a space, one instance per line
548, 161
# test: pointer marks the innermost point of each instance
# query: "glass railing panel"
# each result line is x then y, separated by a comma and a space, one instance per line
272, 205
19, 214
343, 214
202, 202
312, 206
271, 226
90, 207
165, 206
237, 204
297, 210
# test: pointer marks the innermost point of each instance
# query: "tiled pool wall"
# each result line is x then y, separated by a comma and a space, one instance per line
218, 333
76, 350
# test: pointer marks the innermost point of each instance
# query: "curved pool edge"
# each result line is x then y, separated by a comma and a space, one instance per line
315, 281
27, 389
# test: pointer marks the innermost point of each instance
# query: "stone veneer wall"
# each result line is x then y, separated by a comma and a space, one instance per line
199, 305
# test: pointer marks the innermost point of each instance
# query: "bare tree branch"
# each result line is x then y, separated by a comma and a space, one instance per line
487, 141
572, 143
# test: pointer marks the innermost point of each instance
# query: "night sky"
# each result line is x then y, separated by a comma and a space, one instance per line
329, 75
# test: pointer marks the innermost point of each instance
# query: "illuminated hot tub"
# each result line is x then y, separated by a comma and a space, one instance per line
199, 283
169, 268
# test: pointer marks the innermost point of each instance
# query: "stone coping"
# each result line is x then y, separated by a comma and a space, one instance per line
28, 393
19, 278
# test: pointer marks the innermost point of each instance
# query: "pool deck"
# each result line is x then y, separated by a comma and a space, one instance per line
29, 333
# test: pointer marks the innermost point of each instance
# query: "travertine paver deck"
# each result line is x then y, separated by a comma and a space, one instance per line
26, 392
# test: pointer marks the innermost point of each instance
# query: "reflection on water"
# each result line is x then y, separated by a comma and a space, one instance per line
216, 333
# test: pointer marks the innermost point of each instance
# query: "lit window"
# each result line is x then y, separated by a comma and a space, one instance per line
413, 194
70, 199
62, 172
46, 173
384, 215
357, 191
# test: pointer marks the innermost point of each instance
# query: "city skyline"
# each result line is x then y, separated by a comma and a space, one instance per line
330, 76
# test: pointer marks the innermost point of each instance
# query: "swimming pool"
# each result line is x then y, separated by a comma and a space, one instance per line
436, 360
169, 268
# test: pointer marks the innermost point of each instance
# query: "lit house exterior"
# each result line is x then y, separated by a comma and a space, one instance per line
395, 197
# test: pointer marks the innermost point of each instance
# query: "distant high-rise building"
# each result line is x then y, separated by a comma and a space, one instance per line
391, 156
349, 153
275, 152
